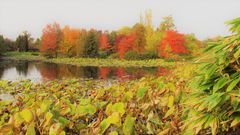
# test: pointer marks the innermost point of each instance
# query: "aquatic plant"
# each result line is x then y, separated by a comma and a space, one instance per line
145, 106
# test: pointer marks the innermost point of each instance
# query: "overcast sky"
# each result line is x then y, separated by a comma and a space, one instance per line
204, 18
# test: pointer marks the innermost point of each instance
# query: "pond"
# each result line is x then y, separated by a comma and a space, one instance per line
37, 71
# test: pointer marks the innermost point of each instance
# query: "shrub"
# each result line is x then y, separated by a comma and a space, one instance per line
149, 55
49, 53
114, 56
131, 55
102, 54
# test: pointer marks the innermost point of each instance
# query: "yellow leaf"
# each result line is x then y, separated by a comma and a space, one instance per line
170, 101
236, 121
27, 115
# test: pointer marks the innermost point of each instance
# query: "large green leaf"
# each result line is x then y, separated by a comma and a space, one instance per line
220, 83
86, 109
233, 84
117, 107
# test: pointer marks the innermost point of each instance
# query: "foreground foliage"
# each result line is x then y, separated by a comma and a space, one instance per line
214, 103
146, 106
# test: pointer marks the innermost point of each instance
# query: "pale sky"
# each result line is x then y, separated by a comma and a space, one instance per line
204, 18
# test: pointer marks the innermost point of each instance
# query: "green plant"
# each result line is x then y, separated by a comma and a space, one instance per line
102, 54
149, 55
214, 103
131, 55
114, 56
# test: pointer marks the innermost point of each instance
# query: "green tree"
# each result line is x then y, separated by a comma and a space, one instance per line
22, 41
2, 44
167, 24
10, 45
91, 45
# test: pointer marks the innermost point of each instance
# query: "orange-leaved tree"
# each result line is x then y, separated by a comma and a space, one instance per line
69, 41
51, 36
103, 42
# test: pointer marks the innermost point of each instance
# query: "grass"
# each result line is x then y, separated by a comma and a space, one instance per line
90, 61
23, 55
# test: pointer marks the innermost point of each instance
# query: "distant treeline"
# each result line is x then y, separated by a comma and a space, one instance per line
141, 41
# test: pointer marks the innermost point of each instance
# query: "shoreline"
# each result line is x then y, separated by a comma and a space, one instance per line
95, 61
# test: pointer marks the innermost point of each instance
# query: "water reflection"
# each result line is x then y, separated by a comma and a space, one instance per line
22, 67
39, 71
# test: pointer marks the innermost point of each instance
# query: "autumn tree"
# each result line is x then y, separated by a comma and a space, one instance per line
111, 40
124, 30
51, 37
69, 41
22, 41
103, 42
91, 45
126, 44
153, 41
81, 41
173, 42
104, 46
140, 38
152, 37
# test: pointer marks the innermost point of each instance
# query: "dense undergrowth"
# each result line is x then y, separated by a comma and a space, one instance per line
146, 106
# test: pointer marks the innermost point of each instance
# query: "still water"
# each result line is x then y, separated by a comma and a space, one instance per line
37, 71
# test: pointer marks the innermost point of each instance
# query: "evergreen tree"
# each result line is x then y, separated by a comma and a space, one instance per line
91, 46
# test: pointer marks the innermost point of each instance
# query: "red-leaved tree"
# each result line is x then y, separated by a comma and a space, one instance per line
125, 44
103, 42
173, 42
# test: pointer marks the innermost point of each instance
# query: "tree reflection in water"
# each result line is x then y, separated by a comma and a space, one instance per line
50, 71
22, 67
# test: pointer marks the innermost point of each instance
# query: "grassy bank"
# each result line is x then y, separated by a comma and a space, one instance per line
23, 55
89, 61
